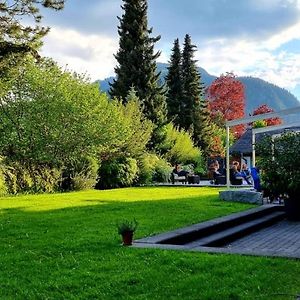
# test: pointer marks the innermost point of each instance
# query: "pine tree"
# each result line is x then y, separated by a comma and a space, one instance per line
137, 62
194, 113
174, 84
15, 35
202, 133
192, 88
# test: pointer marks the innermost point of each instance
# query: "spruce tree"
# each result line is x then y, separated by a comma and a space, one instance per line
15, 35
174, 84
137, 62
194, 113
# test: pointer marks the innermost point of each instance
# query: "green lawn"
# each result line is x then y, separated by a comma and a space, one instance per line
65, 246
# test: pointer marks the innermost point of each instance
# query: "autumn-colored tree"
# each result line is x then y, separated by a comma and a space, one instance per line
227, 100
263, 109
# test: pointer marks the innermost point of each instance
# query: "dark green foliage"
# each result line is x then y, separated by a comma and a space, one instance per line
16, 37
146, 165
192, 87
194, 113
136, 62
202, 128
3, 185
117, 172
80, 174
174, 85
280, 161
127, 226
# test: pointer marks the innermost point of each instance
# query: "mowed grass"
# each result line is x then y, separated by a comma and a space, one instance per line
65, 246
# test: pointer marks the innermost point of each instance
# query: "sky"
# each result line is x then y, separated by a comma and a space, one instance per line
259, 38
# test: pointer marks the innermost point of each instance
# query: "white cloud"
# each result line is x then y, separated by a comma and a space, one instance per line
91, 54
253, 58
283, 37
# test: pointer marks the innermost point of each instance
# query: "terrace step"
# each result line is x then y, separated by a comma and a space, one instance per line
197, 231
230, 234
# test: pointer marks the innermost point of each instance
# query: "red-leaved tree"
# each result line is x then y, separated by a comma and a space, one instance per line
227, 101
263, 109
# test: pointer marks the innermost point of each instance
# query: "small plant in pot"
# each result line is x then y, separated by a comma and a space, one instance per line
280, 164
126, 229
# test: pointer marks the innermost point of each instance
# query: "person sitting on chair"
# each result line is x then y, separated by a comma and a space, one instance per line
177, 170
218, 177
245, 173
235, 176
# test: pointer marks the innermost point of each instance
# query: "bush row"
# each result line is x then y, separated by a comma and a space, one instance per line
118, 172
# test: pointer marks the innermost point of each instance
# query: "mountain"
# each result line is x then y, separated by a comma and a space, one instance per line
257, 91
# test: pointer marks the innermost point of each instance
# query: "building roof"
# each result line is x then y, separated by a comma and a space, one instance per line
244, 143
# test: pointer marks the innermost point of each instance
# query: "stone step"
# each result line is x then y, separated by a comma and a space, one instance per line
227, 235
194, 232
201, 230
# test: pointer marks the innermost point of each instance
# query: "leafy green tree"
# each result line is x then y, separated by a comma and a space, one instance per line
174, 85
50, 115
137, 62
136, 140
51, 119
120, 166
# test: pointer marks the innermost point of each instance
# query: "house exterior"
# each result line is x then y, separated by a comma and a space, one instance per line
242, 148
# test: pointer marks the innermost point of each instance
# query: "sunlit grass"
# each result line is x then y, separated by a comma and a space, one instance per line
96, 197
65, 246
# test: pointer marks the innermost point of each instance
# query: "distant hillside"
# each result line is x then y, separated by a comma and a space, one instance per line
257, 91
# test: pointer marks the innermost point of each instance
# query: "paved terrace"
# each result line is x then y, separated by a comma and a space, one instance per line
281, 239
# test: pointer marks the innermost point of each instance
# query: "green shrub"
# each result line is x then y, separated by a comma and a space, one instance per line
147, 165
21, 178
3, 188
162, 171
153, 169
117, 172
80, 174
179, 147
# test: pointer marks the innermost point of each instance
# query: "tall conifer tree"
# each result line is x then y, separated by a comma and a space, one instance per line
194, 113
174, 85
137, 62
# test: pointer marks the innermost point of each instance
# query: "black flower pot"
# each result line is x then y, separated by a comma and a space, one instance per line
292, 208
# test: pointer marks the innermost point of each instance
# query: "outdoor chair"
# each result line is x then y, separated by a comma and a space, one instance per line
218, 178
176, 178
235, 179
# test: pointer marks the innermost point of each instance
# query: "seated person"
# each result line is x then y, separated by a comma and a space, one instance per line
235, 176
177, 170
256, 178
218, 177
182, 174
245, 173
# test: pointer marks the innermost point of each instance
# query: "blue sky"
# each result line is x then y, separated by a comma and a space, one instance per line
248, 37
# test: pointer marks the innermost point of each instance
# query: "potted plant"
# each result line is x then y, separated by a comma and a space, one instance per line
280, 165
126, 229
